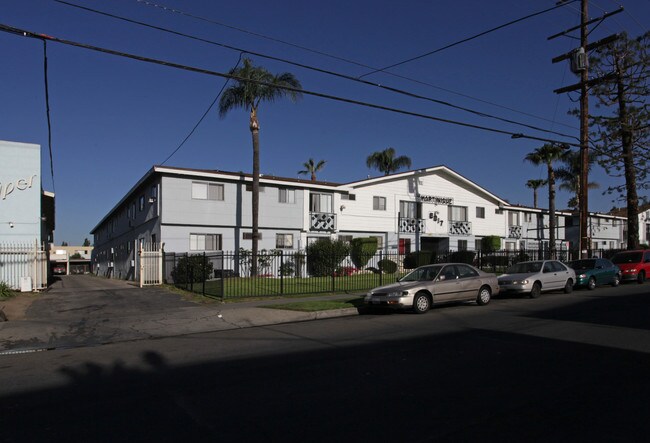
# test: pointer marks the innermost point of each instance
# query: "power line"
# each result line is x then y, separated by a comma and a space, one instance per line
29, 34
323, 71
47, 112
335, 57
202, 117
480, 34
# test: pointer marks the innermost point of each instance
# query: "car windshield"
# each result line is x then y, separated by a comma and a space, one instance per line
580, 265
525, 268
627, 257
422, 274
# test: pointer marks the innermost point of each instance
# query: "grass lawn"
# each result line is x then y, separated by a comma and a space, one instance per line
237, 287
319, 305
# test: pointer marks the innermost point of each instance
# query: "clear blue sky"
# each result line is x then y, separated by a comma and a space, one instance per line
114, 118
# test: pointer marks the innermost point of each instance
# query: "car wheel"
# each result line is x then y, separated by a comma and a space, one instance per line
591, 284
421, 303
484, 296
616, 281
536, 291
568, 286
641, 278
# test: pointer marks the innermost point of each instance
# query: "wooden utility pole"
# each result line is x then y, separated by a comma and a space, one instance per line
583, 198
580, 65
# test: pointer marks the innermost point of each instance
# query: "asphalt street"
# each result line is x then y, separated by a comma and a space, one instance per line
559, 368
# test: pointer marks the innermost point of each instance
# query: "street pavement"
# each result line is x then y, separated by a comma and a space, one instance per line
85, 310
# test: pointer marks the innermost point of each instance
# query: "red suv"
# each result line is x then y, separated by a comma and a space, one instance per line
634, 265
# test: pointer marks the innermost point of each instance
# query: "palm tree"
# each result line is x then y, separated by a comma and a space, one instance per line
569, 175
535, 185
386, 162
253, 85
312, 168
546, 155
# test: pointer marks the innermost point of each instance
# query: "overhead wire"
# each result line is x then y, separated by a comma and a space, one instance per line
335, 57
480, 34
29, 34
203, 116
320, 70
47, 112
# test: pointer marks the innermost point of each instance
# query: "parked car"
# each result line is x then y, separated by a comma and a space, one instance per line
634, 265
443, 282
535, 277
591, 272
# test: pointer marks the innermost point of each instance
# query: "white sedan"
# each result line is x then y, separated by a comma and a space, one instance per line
535, 277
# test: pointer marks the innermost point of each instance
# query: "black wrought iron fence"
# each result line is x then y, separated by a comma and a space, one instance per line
224, 274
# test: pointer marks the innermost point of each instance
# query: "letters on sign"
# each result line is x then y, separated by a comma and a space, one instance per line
19, 185
436, 200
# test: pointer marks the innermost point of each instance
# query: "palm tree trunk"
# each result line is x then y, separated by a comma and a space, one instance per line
551, 211
313, 176
255, 132
535, 198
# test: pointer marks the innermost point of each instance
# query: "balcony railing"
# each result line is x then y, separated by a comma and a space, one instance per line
460, 228
411, 225
514, 232
322, 221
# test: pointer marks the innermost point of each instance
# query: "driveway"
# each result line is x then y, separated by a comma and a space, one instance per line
85, 310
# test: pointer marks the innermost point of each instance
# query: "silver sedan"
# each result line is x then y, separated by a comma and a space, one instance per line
430, 284
533, 277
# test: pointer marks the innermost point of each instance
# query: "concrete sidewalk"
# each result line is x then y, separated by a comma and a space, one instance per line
65, 317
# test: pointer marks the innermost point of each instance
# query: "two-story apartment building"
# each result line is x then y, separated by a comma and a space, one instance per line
192, 211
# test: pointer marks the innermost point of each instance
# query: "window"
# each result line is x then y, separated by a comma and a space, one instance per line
286, 195
284, 241
480, 212
348, 197
207, 191
477, 244
457, 213
380, 243
141, 203
404, 245
528, 217
462, 245
154, 192
320, 202
205, 242
409, 209
379, 203
345, 238
466, 271
498, 211
513, 218
133, 210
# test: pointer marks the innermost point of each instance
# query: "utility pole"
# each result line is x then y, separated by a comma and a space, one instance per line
579, 65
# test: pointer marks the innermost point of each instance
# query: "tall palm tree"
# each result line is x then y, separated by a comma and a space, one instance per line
546, 155
312, 168
386, 162
251, 86
535, 184
569, 175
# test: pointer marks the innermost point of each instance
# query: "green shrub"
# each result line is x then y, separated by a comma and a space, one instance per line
462, 257
490, 244
5, 290
417, 259
387, 266
362, 249
495, 260
324, 256
192, 269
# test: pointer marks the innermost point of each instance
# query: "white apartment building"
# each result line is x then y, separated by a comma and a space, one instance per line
191, 210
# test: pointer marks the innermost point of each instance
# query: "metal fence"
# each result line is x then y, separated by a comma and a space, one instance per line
224, 274
23, 266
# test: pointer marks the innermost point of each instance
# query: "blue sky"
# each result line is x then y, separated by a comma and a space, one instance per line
114, 118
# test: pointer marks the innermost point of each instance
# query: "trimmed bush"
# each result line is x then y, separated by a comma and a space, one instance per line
192, 269
387, 266
362, 249
5, 290
324, 256
490, 244
462, 257
417, 259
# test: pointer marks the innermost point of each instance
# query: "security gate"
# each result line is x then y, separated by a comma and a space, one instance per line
150, 264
